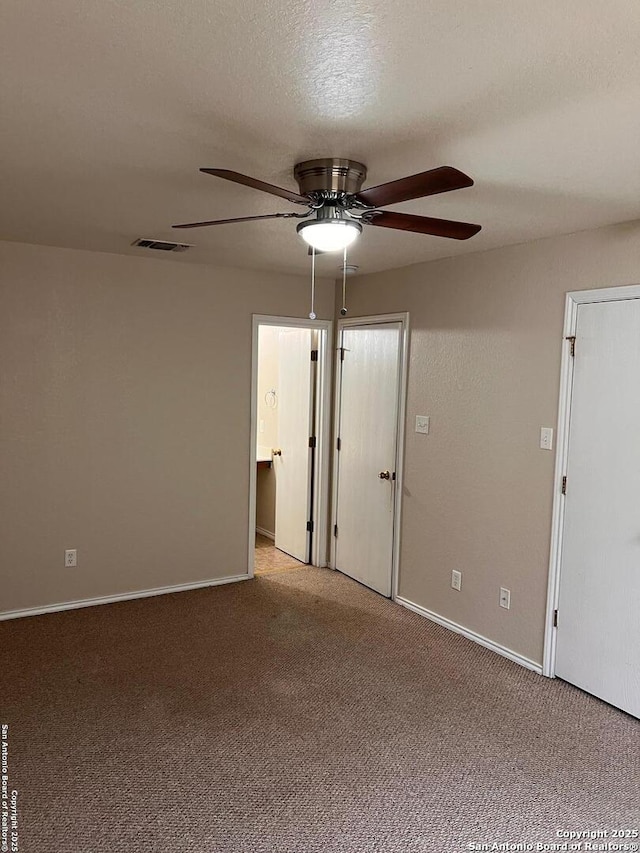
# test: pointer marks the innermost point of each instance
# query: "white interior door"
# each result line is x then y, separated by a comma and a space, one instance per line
293, 466
367, 431
598, 635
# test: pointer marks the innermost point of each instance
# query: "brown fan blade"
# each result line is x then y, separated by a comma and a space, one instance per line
423, 225
441, 180
239, 219
237, 178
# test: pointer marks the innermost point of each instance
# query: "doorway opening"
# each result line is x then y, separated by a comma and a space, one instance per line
290, 410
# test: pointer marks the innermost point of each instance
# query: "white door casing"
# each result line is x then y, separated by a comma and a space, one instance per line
596, 558
367, 418
293, 463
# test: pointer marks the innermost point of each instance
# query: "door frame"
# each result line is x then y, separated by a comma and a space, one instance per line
320, 497
403, 368
572, 301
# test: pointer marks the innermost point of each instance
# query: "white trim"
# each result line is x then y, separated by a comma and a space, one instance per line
562, 441
334, 436
470, 635
605, 294
321, 486
573, 299
321, 496
113, 599
267, 533
401, 317
402, 416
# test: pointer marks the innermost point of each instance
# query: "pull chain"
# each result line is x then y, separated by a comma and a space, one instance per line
312, 313
343, 310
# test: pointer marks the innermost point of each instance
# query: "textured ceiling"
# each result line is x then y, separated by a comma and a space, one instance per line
109, 108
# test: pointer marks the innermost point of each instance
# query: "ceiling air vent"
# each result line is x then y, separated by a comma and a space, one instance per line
161, 245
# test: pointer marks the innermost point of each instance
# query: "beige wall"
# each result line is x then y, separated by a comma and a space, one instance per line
124, 419
268, 377
486, 338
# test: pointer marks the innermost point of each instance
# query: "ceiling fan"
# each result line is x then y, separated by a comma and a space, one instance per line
337, 206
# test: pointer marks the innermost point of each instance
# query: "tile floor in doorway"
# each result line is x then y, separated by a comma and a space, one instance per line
270, 559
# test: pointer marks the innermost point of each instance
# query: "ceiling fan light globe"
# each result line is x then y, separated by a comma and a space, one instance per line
332, 236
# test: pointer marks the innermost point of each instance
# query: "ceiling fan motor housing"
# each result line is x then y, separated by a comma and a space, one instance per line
330, 175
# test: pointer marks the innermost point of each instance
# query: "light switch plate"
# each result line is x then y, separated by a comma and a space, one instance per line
422, 424
546, 438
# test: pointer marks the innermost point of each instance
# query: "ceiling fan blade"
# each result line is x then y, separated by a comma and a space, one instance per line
238, 219
423, 225
441, 180
237, 178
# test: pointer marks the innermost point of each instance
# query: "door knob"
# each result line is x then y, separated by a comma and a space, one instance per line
277, 452
384, 475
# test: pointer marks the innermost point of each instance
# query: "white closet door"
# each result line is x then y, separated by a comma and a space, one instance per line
598, 639
293, 467
368, 424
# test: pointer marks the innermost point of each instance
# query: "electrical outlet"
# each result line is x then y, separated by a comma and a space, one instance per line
422, 424
456, 580
505, 598
70, 558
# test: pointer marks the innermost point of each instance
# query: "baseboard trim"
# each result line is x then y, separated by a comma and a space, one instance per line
266, 533
470, 635
112, 599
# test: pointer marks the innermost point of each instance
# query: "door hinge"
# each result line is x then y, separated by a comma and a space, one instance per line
341, 353
312, 441
335, 529
555, 618
310, 526
314, 355
572, 341
564, 485
338, 444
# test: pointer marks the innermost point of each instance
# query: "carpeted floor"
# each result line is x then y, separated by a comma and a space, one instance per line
296, 712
